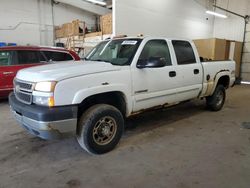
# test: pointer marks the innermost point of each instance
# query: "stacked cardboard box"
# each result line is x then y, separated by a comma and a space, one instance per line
106, 24
213, 49
59, 32
220, 49
75, 28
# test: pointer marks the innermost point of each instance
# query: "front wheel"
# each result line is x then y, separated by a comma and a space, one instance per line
100, 129
217, 100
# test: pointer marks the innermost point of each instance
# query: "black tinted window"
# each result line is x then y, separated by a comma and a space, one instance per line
57, 56
28, 57
42, 57
184, 52
5, 58
156, 48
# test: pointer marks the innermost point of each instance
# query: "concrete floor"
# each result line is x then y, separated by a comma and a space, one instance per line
183, 147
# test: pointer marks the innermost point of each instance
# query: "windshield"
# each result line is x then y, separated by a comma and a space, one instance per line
117, 52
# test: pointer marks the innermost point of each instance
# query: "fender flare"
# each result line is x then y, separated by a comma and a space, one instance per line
83, 94
217, 77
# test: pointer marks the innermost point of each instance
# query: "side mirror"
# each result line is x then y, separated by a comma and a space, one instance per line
152, 62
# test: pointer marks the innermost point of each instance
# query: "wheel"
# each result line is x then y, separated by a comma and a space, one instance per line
100, 129
217, 100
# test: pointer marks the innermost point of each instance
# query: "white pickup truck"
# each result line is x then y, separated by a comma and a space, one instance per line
119, 78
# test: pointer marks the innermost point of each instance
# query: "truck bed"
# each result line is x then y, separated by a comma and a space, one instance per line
213, 70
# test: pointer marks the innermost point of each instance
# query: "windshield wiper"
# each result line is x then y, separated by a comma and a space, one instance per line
101, 60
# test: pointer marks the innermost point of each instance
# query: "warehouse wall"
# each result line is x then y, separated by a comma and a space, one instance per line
30, 21
178, 18
231, 28
72, 13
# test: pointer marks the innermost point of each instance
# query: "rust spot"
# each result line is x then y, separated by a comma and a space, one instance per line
152, 109
210, 85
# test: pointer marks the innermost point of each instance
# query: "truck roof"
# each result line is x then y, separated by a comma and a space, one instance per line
150, 37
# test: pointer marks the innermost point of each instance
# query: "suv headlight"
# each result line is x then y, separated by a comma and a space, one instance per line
44, 94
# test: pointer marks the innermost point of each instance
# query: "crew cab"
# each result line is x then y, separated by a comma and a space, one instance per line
119, 78
14, 58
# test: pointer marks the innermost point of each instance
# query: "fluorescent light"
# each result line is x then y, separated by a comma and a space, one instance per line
247, 83
216, 14
97, 2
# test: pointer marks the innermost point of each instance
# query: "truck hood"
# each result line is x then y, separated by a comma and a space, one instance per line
61, 71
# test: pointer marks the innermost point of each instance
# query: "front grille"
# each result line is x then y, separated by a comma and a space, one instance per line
25, 86
23, 91
24, 97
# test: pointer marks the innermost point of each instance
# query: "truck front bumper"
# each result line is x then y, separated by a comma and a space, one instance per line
44, 122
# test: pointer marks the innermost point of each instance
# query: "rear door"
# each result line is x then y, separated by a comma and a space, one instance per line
189, 71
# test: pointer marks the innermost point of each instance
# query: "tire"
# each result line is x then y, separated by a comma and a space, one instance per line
100, 129
217, 100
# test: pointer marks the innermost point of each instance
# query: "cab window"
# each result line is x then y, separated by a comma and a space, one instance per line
156, 49
184, 52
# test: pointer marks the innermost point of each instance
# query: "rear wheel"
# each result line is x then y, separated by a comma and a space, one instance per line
100, 129
217, 100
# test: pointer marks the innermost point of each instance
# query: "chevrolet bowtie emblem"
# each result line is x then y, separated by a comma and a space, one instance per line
17, 88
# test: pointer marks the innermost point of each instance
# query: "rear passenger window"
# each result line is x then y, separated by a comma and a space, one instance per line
28, 57
57, 56
156, 48
184, 52
5, 58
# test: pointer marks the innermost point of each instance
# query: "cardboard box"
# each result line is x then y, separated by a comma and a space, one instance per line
220, 49
75, 28
58, 32
106, 24
94, 34
213, 49
66, 29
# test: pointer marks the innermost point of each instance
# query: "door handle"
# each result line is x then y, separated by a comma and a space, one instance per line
172, 74
196, 71
8, 73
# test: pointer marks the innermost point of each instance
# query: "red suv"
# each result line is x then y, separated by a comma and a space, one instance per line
14, 58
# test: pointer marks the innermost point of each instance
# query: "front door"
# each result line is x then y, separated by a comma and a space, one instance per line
154, 86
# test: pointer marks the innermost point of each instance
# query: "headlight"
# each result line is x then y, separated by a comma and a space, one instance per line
45, 86
43, 94
44, 100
